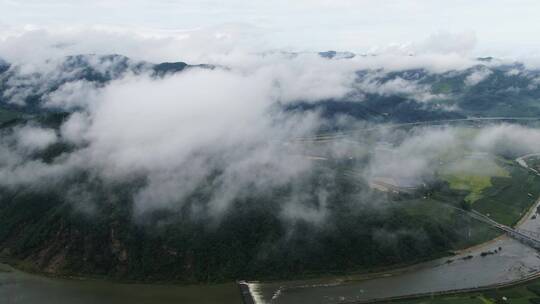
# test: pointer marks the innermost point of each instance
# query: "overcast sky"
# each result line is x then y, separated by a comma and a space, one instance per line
498, 26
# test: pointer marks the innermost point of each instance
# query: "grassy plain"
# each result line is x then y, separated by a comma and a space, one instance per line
472, 175
509, 198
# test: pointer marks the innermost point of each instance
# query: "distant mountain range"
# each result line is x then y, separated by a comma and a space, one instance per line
23, 90
417, 95
487, 89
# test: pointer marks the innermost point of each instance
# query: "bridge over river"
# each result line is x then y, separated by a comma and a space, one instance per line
530, 238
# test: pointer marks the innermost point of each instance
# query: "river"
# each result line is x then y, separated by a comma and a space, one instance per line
17, 287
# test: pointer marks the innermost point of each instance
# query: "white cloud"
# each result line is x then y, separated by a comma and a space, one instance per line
178, 130
506, 137
416, 156
71, 95
448, 43
35, 138
477, 76
413, 158
397, 86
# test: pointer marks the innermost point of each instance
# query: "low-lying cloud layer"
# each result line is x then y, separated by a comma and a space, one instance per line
221, 129
174, 132
418, 156
228, 127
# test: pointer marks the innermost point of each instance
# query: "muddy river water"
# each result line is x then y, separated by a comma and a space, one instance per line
21, 288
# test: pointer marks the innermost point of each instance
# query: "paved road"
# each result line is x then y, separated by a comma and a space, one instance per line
338, 135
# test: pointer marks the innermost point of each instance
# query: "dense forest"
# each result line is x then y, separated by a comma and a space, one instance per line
358, 229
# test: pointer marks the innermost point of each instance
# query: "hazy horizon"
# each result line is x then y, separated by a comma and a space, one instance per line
502, 29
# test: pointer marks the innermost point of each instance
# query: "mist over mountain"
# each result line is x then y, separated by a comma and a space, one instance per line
202, 172
26, 86
486, 87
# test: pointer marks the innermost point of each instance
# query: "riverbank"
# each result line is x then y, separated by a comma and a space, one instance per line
507, 262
